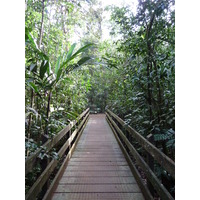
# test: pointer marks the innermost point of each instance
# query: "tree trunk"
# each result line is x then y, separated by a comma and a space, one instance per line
149, 65
48, 105
30, 120
49, 25
149, 92
63, 23
42, 24
48, 110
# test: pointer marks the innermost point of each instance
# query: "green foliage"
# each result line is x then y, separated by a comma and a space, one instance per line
144, 92
46, 85
133, 73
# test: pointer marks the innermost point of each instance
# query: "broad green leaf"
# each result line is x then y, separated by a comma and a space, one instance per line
83, 60
69, 53
82, 49
43, 68
43, 55
57, 65
34, 87
58, 74
29, 38
78, 64
63, 56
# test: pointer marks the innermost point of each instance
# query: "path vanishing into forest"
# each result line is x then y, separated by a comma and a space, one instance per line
99, 158
97, 168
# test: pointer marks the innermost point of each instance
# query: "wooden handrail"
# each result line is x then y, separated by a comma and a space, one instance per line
133, 168
165, 161
37, 186
49, 144
61, 170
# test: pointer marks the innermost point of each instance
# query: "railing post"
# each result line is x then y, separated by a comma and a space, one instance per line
70, 133
150, 162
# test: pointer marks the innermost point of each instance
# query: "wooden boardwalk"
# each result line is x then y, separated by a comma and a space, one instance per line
97, 168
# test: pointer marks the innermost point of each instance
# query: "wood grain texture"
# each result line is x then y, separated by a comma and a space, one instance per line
30, 161
43, 178
98, 168
162, 191
98, 196
167, 163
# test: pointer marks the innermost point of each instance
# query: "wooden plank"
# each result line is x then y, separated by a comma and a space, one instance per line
97, 168
97, 188
37, 186
99, 159
99, 147
95, 174
110, 152
97, 180
98, 196
98, 156
167, 163
92, 163
135, 172
64, 164
30, 161
101, 177
162, 191
102, 150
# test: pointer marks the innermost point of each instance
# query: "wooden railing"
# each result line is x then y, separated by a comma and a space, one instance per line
130, 151
66, 149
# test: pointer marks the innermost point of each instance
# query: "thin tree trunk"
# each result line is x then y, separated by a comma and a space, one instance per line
63, 22
48, 110
57, 106
42, 24
30, 120
149, 92
149, 66
49, 25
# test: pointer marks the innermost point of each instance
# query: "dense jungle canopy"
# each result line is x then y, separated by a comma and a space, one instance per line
70, 66
90, 53
115, 54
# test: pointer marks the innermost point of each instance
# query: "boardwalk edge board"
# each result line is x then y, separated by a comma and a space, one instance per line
37, 186
64, 165
30, 161
135, 172
162, 191
91, 178
159, 156
97, 182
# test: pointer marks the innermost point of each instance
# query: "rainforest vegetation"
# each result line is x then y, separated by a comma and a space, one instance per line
71, 63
